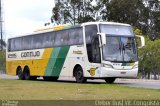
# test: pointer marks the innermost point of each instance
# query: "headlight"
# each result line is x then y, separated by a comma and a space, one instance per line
107, 65
135, 66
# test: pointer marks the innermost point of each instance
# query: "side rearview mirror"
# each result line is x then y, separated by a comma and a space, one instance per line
103, 38
142, 41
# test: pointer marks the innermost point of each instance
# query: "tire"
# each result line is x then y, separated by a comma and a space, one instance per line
46, 78
110, 80
27, 74
20, 74
79, 75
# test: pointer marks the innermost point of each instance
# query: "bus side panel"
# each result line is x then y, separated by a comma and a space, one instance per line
56, 61
11, 68
75, 56
38, 66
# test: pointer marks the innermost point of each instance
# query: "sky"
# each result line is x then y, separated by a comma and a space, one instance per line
24, 16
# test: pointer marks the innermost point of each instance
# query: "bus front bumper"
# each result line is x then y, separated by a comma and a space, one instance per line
108, 72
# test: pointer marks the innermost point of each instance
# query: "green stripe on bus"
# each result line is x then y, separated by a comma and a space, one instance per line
56, 61
124, 64
60, 61
52, 61
127, 64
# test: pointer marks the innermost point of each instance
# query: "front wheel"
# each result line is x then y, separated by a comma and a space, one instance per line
110, 80
79, 75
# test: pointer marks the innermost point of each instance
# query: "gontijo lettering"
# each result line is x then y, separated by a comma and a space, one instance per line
30, 54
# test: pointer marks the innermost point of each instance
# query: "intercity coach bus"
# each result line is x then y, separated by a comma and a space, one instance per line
92, 50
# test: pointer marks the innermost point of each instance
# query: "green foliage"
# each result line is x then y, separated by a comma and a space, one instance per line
149, 57
126, 11
72, 12
137, 31
142, 14
2, 60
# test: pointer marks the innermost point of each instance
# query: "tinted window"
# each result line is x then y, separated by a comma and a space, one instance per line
26, 42
9, 45
18, 43
76, 36
61, 38
92, 44
12, 44
91, 32
47, 40
115, 30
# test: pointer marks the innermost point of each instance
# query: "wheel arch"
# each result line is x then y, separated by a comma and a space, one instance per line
26, 67
19, 67
75, 67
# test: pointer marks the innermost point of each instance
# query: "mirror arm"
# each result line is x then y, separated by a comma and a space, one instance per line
103, 38
142, 41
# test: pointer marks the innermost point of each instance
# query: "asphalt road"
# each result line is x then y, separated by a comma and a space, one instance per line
153, 84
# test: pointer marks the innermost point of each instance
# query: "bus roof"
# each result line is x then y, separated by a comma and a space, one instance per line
56, 28
108, 23
68, 26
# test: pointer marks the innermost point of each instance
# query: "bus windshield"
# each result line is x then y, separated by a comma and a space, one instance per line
120, 44
120, 49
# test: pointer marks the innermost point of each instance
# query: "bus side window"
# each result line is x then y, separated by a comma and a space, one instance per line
64, 37
18, 43
12, 45
52, 39
92, 43
76, 36
96, 51
57, 39
80, 35
46, 39
72, 36
26, 42
37, 41
9, 45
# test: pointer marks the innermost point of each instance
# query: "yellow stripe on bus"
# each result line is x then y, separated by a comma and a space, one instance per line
37, 66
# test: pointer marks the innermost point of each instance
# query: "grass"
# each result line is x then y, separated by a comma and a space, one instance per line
11, 89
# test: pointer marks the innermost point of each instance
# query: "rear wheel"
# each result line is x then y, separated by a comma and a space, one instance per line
110, 80
20, 74
79, 75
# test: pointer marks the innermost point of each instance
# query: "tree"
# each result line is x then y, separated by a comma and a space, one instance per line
75, 11
149, 59
3, 43
128, 11
154, 18
2, 60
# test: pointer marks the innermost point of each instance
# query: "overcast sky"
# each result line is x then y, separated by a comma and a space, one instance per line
25, 16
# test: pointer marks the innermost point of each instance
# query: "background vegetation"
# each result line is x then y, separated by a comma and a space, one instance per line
142, 14
2, 61
149, 60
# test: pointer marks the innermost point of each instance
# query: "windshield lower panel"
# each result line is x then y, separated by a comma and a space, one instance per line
120, 49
